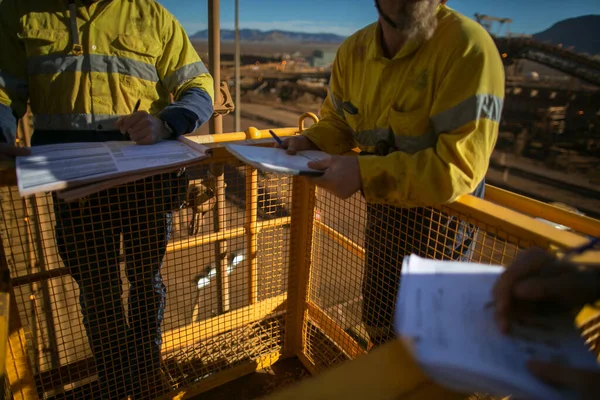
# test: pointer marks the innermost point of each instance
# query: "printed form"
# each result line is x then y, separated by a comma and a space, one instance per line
55, 166
441, 313
269, 159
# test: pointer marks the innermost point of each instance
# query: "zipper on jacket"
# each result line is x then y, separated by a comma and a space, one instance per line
76, 48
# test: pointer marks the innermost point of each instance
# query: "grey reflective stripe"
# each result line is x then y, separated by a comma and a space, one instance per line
14, 86
371, 137
56, 63
476, 107
91, 122
184, 74
406, 144
338, 104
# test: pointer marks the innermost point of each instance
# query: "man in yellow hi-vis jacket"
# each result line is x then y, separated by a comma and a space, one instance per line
83, 65
420, 92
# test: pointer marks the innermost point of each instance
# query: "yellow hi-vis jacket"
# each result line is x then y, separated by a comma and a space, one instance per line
84, 65
439, 101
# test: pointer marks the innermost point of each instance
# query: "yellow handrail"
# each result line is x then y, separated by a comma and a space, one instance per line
509, 217
538, 209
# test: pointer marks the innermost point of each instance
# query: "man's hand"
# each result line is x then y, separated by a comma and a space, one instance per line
536, 277
341, 177
143, 128
585, 383
9, 152
298, 143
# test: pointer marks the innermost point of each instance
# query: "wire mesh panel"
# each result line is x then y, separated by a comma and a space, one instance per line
175, 281
151, 286
357, 253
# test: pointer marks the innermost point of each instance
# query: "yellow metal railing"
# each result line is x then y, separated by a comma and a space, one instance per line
297, 291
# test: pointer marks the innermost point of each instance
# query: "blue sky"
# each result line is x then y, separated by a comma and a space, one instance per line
346, 16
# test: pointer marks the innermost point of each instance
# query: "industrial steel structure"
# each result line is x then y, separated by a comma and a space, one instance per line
284, 284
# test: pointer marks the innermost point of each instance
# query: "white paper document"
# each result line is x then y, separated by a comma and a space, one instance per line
270, 159
55, 166
441, 313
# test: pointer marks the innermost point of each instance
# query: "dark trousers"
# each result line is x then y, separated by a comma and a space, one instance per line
88, 232
393, 233
126, 348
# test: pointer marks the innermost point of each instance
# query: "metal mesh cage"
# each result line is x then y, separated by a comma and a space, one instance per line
181, 282
357, 253
150, 286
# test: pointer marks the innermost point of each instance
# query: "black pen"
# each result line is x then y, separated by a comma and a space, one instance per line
279, 141
135, 109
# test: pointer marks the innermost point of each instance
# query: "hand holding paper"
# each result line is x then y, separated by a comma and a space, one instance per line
9, 152
277, 160
341, 175
455, 338
537, 276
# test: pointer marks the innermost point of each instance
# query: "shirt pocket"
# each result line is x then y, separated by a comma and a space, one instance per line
138, 46
41, 42
137, 68
412, 130
409, 123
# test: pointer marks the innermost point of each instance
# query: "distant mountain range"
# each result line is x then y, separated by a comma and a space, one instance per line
581, 32
276, 36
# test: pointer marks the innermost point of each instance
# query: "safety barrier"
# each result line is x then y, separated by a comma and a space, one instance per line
257, 267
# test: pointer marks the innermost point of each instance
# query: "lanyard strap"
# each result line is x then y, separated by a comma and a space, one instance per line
76, 49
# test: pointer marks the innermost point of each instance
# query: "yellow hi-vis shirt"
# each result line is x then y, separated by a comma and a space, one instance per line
128, 50
439, 100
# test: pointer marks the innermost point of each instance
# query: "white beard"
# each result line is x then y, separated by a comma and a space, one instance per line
417, 20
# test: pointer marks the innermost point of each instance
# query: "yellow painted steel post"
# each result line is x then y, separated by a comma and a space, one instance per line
4, 318
251, 218
36, 228
251, 234
216, 126
302, 223
14, 364
214, 50
238, 94
221, 244
32, 306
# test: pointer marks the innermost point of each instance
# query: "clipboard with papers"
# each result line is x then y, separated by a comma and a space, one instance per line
277, 161
78, 169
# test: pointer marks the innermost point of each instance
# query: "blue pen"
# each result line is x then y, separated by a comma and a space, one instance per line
279, 141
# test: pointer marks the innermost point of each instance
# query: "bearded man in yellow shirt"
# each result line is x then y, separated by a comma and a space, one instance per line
420, 93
